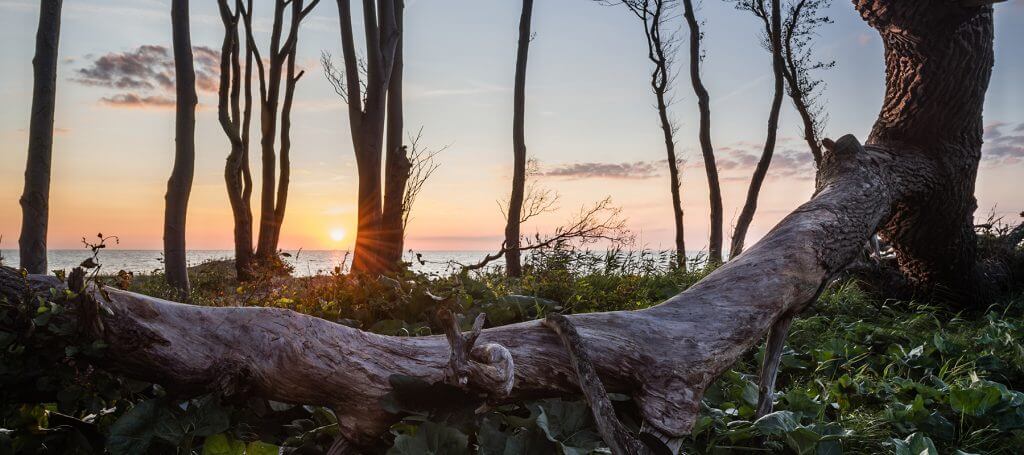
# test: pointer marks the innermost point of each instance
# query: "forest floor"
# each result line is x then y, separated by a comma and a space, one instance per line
859, 374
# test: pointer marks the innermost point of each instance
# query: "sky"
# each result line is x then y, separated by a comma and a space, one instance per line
590, 121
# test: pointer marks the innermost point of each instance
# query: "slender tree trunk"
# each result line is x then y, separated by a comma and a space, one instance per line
35, 200
236, 122
754, 191
706, 148
266, 247
179, 186
397, 165
674, 181
796, 90
513, 259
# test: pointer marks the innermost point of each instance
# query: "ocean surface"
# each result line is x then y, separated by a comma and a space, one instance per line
305, 262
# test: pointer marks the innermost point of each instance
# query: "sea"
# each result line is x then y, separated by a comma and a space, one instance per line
304, 262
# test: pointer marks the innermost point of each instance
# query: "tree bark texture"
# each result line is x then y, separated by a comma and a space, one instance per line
179, 186
513, 257
35, 200
774, 33
938, 62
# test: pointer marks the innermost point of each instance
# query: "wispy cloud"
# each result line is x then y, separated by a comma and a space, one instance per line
133, 101
738, 160
634, 170
472, 88
1002, 147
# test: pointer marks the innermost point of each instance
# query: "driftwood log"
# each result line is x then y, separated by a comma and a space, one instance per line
913, 181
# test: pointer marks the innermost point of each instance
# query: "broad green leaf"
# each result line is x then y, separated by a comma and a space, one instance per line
777, 423
975, 401
261, 448
431, 439
222, 444
568, 424
135, 430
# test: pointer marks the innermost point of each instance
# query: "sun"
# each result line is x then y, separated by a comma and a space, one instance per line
337, 234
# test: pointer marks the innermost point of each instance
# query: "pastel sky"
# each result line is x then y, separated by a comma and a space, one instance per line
590, 121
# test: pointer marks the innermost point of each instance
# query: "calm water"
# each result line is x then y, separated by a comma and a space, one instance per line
305, 262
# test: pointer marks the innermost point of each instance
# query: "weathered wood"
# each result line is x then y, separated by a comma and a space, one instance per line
770, 363
488, 368
614, 433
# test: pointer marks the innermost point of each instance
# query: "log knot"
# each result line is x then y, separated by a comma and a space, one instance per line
840, 156
487, 368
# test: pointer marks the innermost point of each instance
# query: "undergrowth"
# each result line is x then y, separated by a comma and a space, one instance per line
858, 375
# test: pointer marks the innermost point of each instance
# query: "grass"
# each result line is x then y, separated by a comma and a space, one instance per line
858, 375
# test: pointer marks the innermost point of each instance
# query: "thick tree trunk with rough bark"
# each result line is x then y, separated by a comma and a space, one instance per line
704, 135
513, 259
938, 61
35, 200
774, 33
179, 186
664, 357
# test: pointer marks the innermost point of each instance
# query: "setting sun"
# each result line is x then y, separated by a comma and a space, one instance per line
337, 234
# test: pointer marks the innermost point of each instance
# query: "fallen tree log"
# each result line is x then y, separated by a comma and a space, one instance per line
664, 356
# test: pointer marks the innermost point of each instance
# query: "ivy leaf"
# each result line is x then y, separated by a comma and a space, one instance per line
209, 417
221, 444
135, 430
514, 441
975, 401
568, 424
777, 423
431, 439
915, 444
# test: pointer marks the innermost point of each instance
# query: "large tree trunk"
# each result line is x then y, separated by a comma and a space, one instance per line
513, 256
774, 33
179, 186
396, 165
35, 200
938, 61
367, 122
664, 356
704, 135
